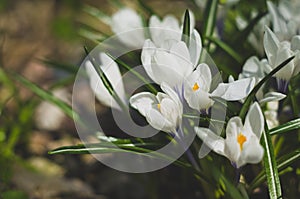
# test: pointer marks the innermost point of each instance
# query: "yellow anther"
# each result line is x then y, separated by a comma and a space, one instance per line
241, 139
158, 106
195, 87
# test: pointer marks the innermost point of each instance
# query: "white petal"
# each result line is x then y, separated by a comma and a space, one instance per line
173, 95
255, 120
159, 122
271, 45
278, 23
252, 152
128, 20
295, 43
253, 68
148, 52
143, 102
234, 127
167, 29
198, 99
216, 143
181, 54
234, 91
283, 54
170, 111
112, 71
272, 96
195, 47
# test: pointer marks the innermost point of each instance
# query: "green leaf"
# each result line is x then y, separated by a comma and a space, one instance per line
270, 166
61, 66
210, 14
289, 126
226, 48
46, 95
186, 28
110, 147
95, 12
252, 94
145, 7
94, 36
231, 189
282, 163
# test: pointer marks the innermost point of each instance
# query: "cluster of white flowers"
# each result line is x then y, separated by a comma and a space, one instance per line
175, 65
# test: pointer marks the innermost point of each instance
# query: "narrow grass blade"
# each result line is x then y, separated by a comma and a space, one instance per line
282, 163
186, 28
270, 166
61, 66
95, 12
226, 48
289, 126
45, 95
210, 15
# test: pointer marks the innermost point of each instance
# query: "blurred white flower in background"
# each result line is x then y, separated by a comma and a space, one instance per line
50, 117
278, 51
163, 111
241, 145
285, 18
125, 20
112, 71
257, 69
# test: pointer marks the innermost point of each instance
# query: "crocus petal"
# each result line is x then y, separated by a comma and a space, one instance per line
213, 141
234, 127
173, 95
159, 122
142, 102
195, 47
283, 54
127, 20
198, 98
295, 43
255, 120
272, 96
252, 152
271, 45
234, 91
146, 57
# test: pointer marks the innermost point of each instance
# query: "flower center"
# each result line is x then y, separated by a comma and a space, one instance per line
158, 106
195, 87
241, 139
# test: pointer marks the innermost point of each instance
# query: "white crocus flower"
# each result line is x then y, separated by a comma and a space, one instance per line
111, 70
197, 89
257, 69
163, 111
166, 32
128, 26
167, 65
241, 145
277, 52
